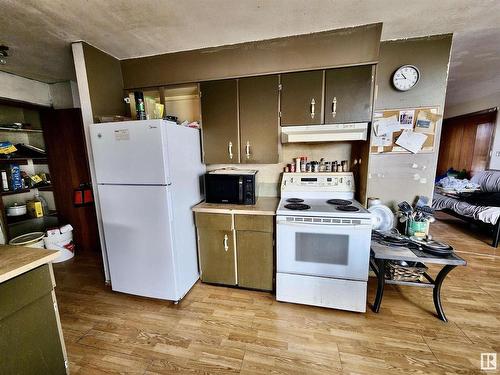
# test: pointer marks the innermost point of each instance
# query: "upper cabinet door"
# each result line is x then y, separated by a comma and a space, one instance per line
259, 119
348, 95
219, 108
301, 96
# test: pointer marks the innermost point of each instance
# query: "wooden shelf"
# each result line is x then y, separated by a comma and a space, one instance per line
12, 192
23, 161
11, 220
20, 191
3, 129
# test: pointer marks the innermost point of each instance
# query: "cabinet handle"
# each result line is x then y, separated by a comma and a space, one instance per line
230, 149
334, 106
226, 246
313, 103
247, 149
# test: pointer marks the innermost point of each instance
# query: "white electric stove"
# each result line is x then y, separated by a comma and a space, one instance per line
323, 242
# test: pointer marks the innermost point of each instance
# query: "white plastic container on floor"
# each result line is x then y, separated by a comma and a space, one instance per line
57, 242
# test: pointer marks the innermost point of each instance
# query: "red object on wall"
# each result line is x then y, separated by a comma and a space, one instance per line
83, 195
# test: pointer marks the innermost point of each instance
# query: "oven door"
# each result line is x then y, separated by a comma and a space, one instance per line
339, 251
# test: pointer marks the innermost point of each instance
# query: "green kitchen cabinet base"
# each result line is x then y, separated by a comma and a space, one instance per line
249, 265
29, 335
255, 259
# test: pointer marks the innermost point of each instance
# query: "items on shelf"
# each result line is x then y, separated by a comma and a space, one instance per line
7, 148
16, 126
301, 165
20, 150
35, 208
14, 179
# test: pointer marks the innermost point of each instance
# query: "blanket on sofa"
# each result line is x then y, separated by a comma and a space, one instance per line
479, 205
486, 214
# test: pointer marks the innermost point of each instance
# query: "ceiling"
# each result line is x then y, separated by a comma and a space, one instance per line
39, 32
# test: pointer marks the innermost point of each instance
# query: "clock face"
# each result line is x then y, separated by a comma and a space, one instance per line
405, 77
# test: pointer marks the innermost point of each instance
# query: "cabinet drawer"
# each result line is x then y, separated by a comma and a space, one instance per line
213, 221
24, 289
259, 223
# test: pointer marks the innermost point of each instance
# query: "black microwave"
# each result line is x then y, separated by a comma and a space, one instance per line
230, 186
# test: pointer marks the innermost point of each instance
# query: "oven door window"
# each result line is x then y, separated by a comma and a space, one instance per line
322, 248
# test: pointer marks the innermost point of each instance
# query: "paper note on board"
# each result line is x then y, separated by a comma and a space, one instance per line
425, 122
386, 126
411, 141
406, 119
382, 141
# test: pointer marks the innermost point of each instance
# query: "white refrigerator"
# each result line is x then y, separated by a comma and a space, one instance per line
149, 175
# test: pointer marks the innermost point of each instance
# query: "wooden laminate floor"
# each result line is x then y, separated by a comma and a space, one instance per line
224, 330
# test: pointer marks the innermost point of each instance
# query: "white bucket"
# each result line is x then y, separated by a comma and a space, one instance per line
34, 239
57, 242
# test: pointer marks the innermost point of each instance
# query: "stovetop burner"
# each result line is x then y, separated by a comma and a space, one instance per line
339, 202
297, 206
294, 200
347, 208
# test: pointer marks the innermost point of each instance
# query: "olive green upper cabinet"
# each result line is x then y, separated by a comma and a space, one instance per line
259, 119
301, 95
348, 94
219, 108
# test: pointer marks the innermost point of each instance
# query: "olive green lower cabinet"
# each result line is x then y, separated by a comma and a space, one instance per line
236, 249
31, 340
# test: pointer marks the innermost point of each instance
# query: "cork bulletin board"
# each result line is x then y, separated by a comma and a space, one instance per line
417, 124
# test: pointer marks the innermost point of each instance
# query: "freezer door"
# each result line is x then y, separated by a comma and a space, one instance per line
130, 152
137, 231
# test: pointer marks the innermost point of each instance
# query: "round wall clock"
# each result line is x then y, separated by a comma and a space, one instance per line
405, 77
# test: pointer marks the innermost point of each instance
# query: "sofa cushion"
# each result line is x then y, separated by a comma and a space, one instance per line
488, 180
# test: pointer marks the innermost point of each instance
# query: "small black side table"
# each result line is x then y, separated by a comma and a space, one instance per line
381, 254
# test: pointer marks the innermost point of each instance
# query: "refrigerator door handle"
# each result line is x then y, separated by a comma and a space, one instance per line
169, 208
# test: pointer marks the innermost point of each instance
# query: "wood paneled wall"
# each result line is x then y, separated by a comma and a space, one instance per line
466, 142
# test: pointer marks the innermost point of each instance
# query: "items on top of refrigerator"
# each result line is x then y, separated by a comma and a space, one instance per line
144, 107
301, 165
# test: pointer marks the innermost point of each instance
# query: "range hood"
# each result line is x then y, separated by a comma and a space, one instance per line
325, 133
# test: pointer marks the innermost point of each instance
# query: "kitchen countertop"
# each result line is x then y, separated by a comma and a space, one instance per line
264, 206
16, 260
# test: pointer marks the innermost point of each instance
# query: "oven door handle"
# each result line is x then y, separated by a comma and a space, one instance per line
330, 225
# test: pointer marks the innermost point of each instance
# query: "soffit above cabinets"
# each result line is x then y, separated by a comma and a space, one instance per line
344, 47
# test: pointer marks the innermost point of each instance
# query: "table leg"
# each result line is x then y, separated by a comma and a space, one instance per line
437, 291
380, 284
